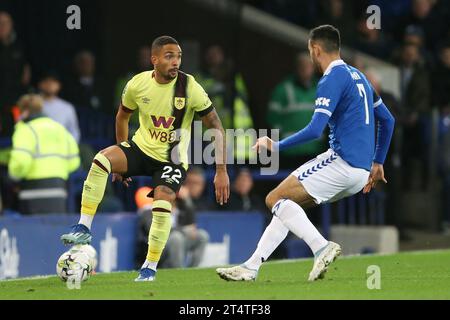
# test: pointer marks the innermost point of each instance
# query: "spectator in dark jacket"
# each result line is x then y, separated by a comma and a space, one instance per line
441, 99
242, 198
196, 183
441, 80
430, 16
15, 72
86, 88
415, 115
372, 41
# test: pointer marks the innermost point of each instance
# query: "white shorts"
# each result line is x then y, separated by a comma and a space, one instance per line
328, 177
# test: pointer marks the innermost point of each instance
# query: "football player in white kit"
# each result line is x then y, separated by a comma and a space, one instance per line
353, 111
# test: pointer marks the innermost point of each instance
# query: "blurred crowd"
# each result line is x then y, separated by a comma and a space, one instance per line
415, 36
81, 103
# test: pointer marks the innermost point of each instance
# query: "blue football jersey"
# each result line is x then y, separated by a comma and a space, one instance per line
347, 97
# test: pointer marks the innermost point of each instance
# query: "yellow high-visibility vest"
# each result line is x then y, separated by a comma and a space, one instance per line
42, 148
238, 118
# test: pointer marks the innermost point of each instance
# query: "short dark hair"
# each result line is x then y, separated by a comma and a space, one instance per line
49, 75
329, 37
161, 41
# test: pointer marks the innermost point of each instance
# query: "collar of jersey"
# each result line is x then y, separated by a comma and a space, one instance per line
333, 64
163, 84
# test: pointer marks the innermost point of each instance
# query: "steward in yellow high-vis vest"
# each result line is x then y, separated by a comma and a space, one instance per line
234, 112
43, 155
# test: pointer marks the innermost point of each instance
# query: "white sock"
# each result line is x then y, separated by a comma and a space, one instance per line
274, 234
295, 219
150, 264
86, 219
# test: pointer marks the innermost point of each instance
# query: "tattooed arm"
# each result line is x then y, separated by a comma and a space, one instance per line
221, 180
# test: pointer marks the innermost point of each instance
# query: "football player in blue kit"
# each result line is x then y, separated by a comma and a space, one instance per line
353, 111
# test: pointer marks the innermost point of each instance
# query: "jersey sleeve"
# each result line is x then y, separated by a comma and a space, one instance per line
311, 132
385, 130
129, 96
197, 97
329, 92
376, 98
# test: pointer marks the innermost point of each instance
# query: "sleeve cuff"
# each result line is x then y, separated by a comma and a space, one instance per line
125, 109
325, 111
375, 160
376, 104
204, 112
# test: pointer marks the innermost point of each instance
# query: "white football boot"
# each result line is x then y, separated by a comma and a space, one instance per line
325, 258
237, 273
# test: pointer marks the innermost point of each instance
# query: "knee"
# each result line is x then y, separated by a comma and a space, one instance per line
271, 199
164, 193
176, 239
102, 161
203, 236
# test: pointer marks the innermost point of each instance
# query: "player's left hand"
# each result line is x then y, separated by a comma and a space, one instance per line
376, 174
222, 185
263, 142
117, 177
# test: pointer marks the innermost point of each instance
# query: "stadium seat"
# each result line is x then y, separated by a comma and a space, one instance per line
97, 128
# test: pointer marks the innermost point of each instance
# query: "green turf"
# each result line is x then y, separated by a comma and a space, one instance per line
414, 275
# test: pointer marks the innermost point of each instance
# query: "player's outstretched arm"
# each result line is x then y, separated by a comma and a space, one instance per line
311, 132
385, 122
221, 180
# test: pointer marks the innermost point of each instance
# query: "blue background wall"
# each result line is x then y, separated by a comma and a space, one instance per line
39, 246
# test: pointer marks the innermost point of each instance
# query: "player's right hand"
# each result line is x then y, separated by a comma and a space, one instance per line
222, 186
118, 177
264, 142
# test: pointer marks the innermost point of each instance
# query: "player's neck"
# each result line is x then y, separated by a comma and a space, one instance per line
328, 60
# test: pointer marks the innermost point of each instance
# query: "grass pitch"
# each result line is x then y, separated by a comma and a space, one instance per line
412, 275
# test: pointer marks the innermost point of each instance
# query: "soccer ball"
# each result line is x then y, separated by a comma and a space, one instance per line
90, 251
74, 263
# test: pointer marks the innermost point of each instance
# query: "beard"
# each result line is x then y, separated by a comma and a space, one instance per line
316, 65
169, 76
165, 74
